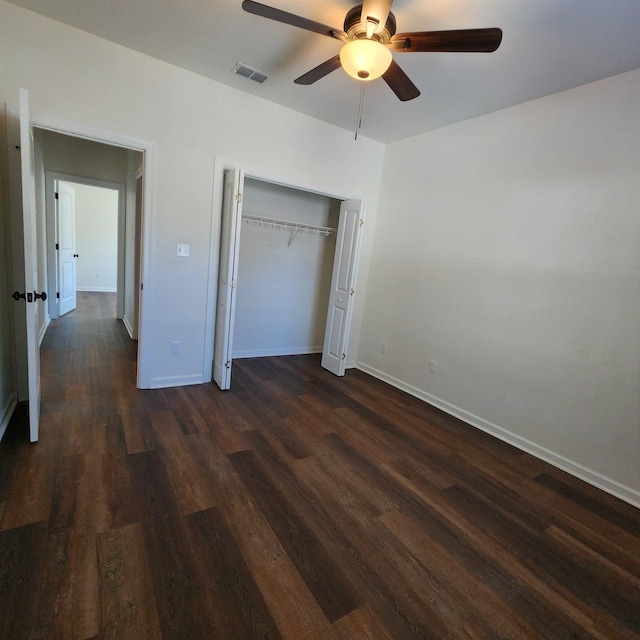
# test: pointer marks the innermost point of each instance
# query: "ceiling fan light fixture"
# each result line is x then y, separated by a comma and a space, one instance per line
365, 59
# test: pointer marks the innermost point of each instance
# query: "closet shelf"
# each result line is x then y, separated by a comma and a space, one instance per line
275, 223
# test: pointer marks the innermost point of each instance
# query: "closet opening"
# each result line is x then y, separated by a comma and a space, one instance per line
285, 262
286, 273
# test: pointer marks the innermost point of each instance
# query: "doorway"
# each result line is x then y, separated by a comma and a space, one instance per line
288, 241
84, 224
338, 305
106, 246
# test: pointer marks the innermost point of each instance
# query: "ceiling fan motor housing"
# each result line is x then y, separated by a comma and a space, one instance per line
355, 29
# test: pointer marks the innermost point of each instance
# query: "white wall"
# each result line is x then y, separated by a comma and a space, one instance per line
283, 287
84, 158
76, 77
507, 250
96, 238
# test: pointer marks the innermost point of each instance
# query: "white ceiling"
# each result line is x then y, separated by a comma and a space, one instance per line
548, 46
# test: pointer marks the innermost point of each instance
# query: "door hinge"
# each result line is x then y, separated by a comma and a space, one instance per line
141, 286
238, 198
233, 284
55, 195
344, 355
57, 247
361, 222
227, 364
352, 292
57, 294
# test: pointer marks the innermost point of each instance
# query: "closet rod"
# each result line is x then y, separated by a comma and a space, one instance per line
289, 225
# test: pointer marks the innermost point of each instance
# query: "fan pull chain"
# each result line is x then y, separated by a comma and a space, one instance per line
360, 107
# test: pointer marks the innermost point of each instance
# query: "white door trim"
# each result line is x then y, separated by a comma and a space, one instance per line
220, 166
97, 134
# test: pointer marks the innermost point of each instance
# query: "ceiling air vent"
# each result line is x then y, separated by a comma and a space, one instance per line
249, 72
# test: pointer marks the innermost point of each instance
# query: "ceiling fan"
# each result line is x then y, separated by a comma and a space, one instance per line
370, 36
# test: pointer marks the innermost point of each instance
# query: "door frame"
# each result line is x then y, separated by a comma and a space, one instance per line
51, 225
145, 241
220, 166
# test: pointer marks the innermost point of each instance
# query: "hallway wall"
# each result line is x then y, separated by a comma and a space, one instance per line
96, 238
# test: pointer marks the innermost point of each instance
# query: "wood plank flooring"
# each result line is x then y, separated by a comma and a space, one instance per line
296, 506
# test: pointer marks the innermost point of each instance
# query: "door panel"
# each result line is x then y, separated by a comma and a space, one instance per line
337, 320
342, 283
227, 276
66, 219
30, 265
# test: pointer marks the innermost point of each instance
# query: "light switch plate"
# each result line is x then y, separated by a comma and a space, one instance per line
183, 250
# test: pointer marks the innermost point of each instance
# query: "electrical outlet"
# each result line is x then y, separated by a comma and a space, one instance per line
182, 250
383, 348
433, 365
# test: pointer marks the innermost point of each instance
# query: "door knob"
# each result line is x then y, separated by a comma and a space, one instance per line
29, 297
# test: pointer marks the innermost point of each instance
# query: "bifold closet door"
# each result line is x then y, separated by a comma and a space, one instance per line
342, 287
227, 276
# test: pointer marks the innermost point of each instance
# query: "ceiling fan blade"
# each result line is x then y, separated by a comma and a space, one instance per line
377, 10
400, 83
278, 15
320, 71
472, 40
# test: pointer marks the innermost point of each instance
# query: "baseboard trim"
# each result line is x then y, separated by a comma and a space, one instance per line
288, 351
43, 329
97, 289
128, 326
175, 381
7, 412
592, 477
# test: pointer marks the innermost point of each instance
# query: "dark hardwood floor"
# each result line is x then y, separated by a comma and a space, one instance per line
298, 506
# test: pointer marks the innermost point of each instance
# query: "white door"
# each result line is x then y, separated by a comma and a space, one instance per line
30, 265
342, 283
66, 246
227, 274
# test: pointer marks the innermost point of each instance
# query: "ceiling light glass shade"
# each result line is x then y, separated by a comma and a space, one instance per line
365, 59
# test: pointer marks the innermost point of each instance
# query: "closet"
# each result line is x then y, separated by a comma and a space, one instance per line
286, 273
285, 264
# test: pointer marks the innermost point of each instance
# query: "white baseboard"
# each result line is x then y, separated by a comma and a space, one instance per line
175, 381
7, 412
289, 351
43, 329
128, 327
592, 477
98, 289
